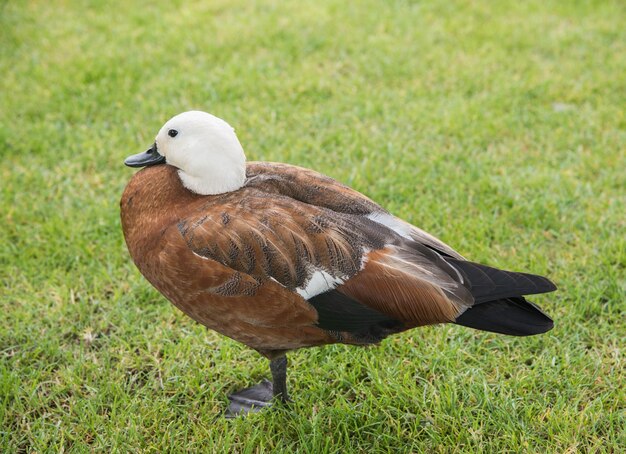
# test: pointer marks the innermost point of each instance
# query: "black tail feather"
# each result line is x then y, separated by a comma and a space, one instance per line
499, 305
489, 284
513, 316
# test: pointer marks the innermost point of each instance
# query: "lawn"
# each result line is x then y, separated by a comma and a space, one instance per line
500, 127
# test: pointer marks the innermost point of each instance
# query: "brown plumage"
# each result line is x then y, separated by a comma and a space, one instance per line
233, 261
290, 258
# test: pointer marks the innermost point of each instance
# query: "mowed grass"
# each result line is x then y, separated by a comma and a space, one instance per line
498, 126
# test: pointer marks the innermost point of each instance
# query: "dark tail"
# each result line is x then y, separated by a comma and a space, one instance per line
514, 316
499, 305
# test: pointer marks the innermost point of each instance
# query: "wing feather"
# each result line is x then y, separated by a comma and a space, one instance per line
281, 238
409, 287
297, 227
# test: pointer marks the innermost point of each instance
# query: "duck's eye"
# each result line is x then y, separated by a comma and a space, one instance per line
172, 133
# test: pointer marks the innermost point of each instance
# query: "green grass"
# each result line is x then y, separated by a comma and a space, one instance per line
497, 126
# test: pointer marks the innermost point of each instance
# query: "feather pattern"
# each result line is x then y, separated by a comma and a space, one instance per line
289, 241
295, 259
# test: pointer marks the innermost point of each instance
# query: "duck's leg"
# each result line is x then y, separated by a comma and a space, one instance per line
259, 396
278, 366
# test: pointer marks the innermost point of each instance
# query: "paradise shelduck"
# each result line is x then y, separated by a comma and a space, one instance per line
279, 257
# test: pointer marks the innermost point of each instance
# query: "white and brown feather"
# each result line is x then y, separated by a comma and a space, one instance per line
244, 263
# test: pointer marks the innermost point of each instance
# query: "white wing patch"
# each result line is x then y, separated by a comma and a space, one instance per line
320, 282
410, 232
400, 227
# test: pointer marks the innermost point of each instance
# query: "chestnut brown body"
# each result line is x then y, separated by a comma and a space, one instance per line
244, 263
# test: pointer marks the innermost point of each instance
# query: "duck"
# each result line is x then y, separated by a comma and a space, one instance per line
280, 257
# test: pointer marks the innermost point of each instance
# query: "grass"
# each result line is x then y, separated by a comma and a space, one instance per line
497, 126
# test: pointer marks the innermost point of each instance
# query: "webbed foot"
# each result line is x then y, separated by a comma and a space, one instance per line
250, 400
258, 397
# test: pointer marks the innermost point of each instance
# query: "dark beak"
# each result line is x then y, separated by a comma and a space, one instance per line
150, 157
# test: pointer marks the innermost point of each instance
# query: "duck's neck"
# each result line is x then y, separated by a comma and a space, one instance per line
214, 180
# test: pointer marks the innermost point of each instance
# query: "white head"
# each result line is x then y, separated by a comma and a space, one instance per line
206, 151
